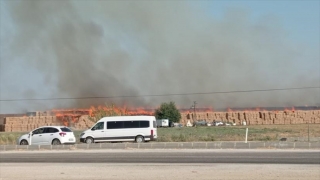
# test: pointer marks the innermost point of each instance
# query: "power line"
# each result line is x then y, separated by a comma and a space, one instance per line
158, 95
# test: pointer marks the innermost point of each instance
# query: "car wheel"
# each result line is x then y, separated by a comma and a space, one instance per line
24, 142
139, 139
89, 140
56, 142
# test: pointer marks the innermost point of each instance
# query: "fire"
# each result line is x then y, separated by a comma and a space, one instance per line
292, 109
72, 115
113, 110
208, 109
66, 116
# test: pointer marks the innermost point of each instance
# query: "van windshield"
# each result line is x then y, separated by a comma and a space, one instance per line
98, 126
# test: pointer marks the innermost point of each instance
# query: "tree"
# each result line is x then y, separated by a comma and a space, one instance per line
168, 111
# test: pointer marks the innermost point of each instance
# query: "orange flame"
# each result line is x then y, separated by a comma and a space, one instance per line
66, 115
292, 109
72, 115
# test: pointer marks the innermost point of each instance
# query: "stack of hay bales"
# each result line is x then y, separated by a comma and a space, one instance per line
84, 122
34, 120
257, 117
28, 123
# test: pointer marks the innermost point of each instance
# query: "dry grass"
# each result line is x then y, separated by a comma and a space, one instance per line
9, 137
237, 133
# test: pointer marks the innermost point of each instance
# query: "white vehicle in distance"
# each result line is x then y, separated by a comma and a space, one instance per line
162, 122
122, 128
218, 123
48, 135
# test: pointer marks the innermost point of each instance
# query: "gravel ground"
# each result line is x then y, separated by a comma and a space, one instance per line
105, 171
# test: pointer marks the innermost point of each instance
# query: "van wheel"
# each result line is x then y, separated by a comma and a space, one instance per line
24, 142
139, 139
89, 140
56, 142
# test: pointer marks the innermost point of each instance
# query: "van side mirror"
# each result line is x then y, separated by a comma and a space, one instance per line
94, 128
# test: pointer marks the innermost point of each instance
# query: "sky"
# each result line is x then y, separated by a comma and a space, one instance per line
300, 18
158, 51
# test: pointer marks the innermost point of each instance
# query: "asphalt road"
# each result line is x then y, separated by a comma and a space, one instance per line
165, 156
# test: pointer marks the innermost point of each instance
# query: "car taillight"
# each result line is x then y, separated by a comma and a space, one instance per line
62, 134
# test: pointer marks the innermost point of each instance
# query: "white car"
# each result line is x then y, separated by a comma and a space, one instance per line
218, 123
48, 135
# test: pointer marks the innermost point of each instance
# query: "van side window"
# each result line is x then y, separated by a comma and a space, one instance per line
99, 126
127, 124
115, 124
144, 124
131, 124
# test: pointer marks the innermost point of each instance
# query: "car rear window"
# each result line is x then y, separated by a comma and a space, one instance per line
64, 129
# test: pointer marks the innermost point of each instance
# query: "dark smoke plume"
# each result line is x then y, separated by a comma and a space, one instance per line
131, 48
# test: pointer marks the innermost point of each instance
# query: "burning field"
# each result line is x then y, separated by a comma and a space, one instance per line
84, 118
76, 118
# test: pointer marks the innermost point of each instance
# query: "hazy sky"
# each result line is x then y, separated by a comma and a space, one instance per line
75, 49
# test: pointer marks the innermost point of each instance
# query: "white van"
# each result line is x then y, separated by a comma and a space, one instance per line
122, 128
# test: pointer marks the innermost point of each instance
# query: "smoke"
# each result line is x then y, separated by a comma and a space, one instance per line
134, 48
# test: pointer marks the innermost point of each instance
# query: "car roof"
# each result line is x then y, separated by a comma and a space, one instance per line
52, 127
124, 118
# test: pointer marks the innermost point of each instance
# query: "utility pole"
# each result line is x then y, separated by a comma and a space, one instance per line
308, 131
194, 110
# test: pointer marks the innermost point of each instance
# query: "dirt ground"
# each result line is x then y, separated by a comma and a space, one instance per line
96, 171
